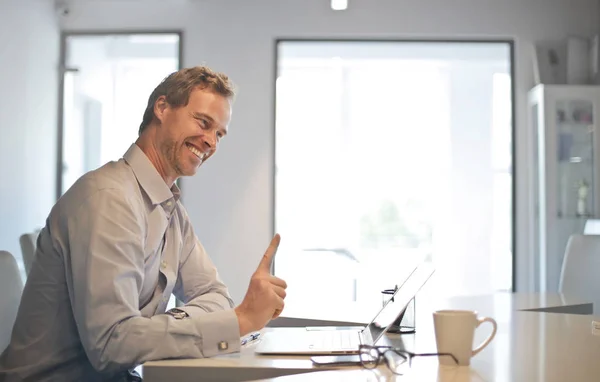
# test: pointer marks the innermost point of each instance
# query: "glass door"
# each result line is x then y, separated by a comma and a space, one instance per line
107, 79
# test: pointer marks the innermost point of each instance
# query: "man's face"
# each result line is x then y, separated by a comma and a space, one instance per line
189, 135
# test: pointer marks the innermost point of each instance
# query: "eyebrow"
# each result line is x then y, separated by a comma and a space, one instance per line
197, 115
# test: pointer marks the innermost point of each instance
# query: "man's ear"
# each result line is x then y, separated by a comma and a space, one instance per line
160, 106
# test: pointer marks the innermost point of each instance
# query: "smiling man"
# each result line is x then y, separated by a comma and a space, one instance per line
119, 243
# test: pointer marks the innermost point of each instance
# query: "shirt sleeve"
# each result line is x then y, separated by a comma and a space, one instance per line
202, 291
105, 273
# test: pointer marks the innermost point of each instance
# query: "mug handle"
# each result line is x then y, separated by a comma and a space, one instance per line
485, 343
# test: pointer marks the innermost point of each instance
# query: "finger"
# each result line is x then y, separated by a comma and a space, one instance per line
267, 259
278, 282
279, 307
280, 291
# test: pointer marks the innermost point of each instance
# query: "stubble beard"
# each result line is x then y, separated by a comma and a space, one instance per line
169, 149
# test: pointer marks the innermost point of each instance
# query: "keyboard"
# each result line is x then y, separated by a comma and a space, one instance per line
335, 339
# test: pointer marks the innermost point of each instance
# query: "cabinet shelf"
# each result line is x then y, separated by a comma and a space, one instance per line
566, 176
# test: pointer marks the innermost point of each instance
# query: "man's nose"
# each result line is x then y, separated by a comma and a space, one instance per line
210, 141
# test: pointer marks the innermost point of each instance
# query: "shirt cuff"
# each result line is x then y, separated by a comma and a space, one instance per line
220, 330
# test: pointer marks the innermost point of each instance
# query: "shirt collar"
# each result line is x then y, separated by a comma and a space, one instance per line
148, 177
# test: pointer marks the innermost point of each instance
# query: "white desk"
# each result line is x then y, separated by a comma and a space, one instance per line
354, 314
532, 347
529, 346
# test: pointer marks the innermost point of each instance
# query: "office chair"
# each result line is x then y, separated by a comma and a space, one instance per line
11, 288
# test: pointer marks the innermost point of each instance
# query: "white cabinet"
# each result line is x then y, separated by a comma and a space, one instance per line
565, 182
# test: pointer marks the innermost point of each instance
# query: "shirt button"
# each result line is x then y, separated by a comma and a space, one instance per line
163, 264
169, 203
223, 345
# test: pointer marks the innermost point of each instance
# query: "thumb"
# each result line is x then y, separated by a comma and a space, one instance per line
267, 259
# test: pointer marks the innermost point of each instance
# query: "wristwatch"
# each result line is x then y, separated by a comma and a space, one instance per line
178, 314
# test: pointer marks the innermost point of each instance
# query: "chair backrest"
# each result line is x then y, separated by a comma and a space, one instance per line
592, 227
28, 246
581, 264
11, 288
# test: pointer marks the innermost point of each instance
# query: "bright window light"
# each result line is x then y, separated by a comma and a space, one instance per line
339, 5
392, 178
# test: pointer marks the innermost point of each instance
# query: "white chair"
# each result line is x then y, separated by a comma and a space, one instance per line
580, 268
592, 227
11, 288
28, 246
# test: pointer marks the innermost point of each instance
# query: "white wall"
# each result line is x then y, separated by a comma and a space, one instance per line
29, 45
238, 37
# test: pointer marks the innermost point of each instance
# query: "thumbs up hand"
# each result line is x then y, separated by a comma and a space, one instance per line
264, 298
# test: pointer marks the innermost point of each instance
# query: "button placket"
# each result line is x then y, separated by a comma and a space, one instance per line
168, 208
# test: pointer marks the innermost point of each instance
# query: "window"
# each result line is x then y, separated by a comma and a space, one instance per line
388, 153
107, 82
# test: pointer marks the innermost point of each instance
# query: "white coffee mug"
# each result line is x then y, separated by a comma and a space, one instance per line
454, 332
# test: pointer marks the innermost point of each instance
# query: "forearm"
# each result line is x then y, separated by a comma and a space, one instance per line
211, 301
138, 339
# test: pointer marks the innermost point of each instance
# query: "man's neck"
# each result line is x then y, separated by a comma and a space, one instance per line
146, 144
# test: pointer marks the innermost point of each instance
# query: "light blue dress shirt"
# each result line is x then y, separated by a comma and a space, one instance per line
114, 248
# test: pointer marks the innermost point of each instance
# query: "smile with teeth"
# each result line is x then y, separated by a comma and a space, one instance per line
196, 152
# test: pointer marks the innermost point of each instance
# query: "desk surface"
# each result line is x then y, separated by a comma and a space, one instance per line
532, 347
529, 346
355, 314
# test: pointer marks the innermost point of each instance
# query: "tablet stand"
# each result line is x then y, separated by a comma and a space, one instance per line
405, 323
